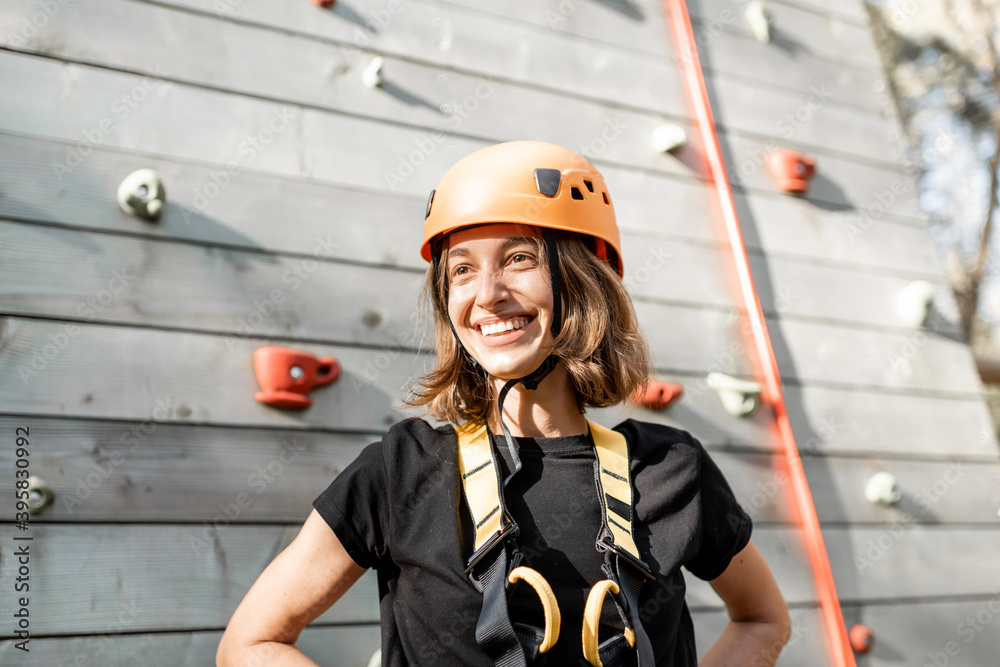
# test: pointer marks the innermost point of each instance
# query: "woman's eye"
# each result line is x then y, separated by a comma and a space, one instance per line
520, 257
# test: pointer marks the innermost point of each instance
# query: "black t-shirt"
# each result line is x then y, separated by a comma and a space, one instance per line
399, 508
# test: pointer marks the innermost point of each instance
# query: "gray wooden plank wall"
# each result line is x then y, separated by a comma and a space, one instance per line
309, 241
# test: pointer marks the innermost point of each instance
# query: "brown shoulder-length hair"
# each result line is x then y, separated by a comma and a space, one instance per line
601, 343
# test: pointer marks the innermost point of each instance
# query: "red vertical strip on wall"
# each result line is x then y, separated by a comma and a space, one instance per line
694, 81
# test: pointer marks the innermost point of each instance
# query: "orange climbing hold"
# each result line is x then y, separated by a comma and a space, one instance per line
862, 639
657, 395
287, 375
791, 169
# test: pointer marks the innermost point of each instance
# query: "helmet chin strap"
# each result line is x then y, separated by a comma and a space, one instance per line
532, 379
529, 381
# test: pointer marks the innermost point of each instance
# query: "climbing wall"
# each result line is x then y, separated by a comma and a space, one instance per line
297, 170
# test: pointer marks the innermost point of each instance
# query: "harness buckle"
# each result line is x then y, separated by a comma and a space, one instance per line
510, 530
604, 545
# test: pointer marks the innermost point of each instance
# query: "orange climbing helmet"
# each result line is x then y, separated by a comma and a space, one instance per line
530, 182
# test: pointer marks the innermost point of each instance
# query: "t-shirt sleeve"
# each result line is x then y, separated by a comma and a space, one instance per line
725, 526
354, 506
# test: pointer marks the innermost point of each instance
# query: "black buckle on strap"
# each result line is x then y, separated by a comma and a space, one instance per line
604, 545
510, 530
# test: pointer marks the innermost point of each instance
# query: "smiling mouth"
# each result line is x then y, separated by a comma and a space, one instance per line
500, 328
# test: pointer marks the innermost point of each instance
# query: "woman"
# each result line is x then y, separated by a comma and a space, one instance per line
527, 535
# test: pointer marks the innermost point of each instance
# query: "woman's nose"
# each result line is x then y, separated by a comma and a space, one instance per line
492, 289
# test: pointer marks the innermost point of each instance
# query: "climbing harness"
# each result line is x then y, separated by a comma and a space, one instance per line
495, 561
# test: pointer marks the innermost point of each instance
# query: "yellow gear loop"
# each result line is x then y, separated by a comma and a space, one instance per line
592, 621
553, 619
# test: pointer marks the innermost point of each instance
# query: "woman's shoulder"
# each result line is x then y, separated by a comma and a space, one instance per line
414, 439
647, 438
420, 431
660, 452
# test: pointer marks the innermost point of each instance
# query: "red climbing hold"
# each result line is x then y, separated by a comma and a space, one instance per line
791, 169
657, 395
286, 376
862, 638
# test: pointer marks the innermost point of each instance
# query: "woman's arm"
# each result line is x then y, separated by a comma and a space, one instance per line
759, 625
299, 585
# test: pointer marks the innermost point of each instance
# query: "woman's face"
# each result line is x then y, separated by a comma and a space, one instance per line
500, 297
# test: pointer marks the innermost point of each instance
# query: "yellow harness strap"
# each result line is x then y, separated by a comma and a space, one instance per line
615, 486
480, 480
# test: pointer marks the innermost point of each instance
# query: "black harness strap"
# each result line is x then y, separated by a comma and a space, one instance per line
494, 631
506, 643
630, 581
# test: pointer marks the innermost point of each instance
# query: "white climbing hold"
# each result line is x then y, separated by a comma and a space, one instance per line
142, 194
759, 19
669, 138
373, 73
40, 494
739, 397
914, 303
882, 489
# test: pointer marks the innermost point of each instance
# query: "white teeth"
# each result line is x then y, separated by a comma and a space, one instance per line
502, 327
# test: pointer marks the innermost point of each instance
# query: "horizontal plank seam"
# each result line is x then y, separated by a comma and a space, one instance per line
918, 221
408, 57
35, 521
710, 608
690, 241
175, 631
309, 428
791, 376
776, 318
184, 160
912, 521
860, 527
867, 454
887, 165
722, 447
643, 235
914, 221
772, 317
824, 13
696, 16
858, 455
718, 73
788, 379
64, 522
792, 380
140, 326
773, 526
199, 243
856, 603
921, 599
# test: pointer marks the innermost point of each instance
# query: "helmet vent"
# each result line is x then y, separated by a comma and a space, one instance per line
547, 181
589, 184
576, 193
606, 200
